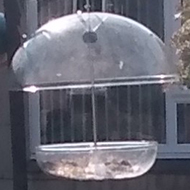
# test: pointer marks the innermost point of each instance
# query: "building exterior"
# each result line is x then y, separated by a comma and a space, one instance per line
172, 170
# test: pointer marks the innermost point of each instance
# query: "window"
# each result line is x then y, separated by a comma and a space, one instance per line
177, 121
153, 114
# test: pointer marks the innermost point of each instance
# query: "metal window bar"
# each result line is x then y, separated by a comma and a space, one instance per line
103, 5
106, 115
84, 116
138, 9
140, 110
52, 116
49, 8
59, 6
148, 16
162, 120
160, 14
117, 111
34, 119
43, 117
149, 110
61, 98
129, 112
120, 115
71, 116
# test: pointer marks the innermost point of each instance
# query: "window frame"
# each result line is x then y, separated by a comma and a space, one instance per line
172, 149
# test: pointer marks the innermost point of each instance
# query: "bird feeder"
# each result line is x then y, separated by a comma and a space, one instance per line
93, 51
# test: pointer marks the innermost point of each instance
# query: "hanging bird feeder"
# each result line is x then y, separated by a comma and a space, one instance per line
93, 51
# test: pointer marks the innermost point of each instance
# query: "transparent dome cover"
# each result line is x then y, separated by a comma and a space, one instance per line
63, 50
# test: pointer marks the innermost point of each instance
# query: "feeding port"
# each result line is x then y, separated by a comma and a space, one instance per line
96, 52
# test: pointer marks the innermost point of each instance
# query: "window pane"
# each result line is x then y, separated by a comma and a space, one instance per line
183, 123
122, 113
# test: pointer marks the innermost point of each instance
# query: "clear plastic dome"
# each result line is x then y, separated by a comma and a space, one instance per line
63, 51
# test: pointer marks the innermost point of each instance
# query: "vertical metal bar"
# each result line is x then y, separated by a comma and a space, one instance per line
149, 110
71, 104
138, 10
94, 114
49, 10
162, 114
18, 139
83, 115
127, 7
61, 114
129, 112
122, 9
43, 117
34, 120
31, 16
92, 5
147, 13
74, 6
104, 5
171, 120
106, 114
117, 6
140, 111
117, 110
161, 19
40, 17
43, 10
52, 115
67, 7
80, 5
58, 4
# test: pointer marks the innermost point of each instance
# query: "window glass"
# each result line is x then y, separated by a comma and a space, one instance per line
183, 123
